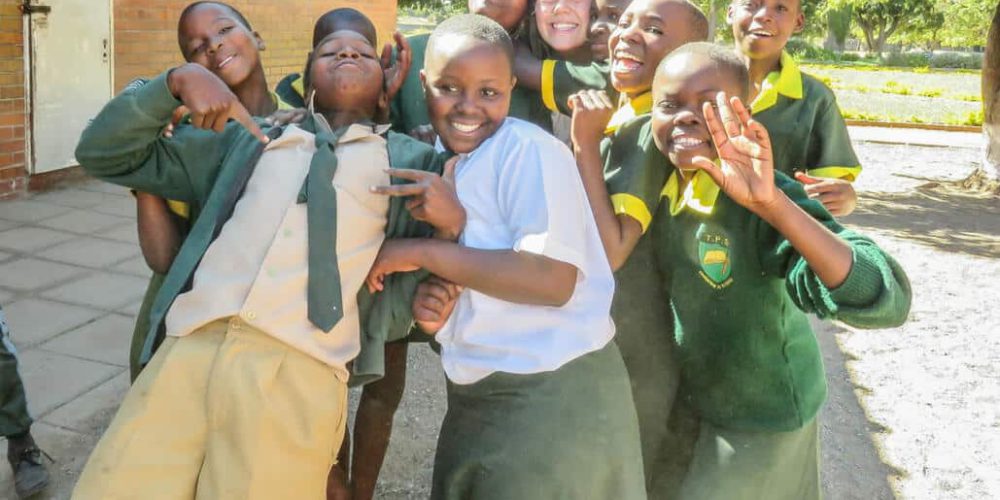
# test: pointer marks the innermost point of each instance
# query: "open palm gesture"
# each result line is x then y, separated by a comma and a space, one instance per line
746, 169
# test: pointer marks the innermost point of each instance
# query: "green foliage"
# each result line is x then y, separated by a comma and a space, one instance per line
930, 93
434, 10
880, 19
966, 22
838, 21
893, 87
959, 60
907, 59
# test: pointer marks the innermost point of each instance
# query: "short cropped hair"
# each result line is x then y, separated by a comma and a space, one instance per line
237, 14
335, 19
478, 27
699, 22
724, 58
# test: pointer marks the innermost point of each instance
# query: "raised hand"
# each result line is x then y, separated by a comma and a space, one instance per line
592, 110
836, 195
433, 198
746, 170
209, 101
395, 72
433, 303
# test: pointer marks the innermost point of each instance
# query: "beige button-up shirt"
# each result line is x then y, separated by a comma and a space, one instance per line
257, 269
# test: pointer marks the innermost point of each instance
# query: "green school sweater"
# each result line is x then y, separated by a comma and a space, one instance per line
808, 133
408, 109
291, 90
123, 145
740, 293
561, 79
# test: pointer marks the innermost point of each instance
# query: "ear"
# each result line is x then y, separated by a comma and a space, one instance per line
729, 15
800, 22
259, 40
513, 82
423, 78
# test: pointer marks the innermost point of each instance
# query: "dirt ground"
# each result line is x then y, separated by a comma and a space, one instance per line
913, 412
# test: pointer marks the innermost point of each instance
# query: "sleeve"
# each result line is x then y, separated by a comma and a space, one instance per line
634, 172
124, 144
541, 198
876, 293
831, 153
561, 79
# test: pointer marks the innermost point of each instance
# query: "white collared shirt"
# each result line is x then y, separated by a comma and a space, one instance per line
521, 191
258, 269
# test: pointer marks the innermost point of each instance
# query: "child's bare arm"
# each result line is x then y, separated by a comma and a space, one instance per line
527, 68
519, 277
836, 195
619, 233
159, 236
746, 175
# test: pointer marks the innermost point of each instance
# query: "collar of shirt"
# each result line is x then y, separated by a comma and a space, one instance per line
629, 109
787, 82
699, 195
355, 132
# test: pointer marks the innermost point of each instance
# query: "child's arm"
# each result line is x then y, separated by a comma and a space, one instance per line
515, 276
857, 282
557, 80
123, 144
432, 198
159, 236
433, 303
619, 232
831, 163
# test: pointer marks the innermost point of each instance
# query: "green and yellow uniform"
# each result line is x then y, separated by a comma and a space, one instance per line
808, 133
635, 172
561, 79
750, 365
408, 109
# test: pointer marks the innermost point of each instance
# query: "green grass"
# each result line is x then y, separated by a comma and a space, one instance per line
909, 95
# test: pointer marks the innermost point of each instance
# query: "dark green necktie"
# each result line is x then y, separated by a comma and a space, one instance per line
324, 300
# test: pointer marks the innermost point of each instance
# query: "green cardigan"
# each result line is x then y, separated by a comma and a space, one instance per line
123, 145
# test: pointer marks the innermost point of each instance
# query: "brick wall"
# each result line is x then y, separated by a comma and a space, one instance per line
13, 173
146, 32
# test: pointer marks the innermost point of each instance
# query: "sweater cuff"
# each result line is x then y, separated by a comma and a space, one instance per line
156, 99
864, 282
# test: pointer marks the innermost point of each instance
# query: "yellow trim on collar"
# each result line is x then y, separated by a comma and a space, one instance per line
548, 84
299, 85
700, 194
787, 82
629, 109
632, 206
280, 102
846, 173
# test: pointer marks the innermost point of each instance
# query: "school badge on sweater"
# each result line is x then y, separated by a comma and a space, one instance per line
713, 257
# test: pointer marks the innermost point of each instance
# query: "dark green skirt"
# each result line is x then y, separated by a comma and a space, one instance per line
566, 434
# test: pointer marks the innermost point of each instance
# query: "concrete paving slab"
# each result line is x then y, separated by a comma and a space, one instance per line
105, 340
90, 412
135, 266
4, 256
27, 239
52, 380
104, 187
73, 197
85, 222
103, 290
5, 296
29, 274
8, 224
90, 252
33, 321
126, 233
69, 449
29, 211
122, 206
917, 137
131, 310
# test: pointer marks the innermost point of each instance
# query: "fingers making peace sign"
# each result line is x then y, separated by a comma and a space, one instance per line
746, 169
433, 198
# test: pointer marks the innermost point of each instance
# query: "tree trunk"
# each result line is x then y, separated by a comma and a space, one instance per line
991, 101
713, 20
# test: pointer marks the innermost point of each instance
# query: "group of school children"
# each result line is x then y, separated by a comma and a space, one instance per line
609, 229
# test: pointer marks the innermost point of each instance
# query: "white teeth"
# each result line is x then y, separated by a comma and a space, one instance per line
565, 26
226, 61
688, 142
466, 128
627, 56
761, 33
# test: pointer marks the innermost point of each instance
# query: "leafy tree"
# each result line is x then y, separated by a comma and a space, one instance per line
991, 100
838, 25
880, 19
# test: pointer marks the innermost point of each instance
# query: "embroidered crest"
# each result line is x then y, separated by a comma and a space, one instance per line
713, 257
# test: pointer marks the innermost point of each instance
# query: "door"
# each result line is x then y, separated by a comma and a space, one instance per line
70, 74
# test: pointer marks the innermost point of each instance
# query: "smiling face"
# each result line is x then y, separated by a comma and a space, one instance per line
507, 13
608, 13
761, 28
467, 83
646, 33
563, 24
212, 36
682, 85
345, 73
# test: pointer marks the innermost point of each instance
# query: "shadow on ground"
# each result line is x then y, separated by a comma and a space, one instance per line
938, 214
